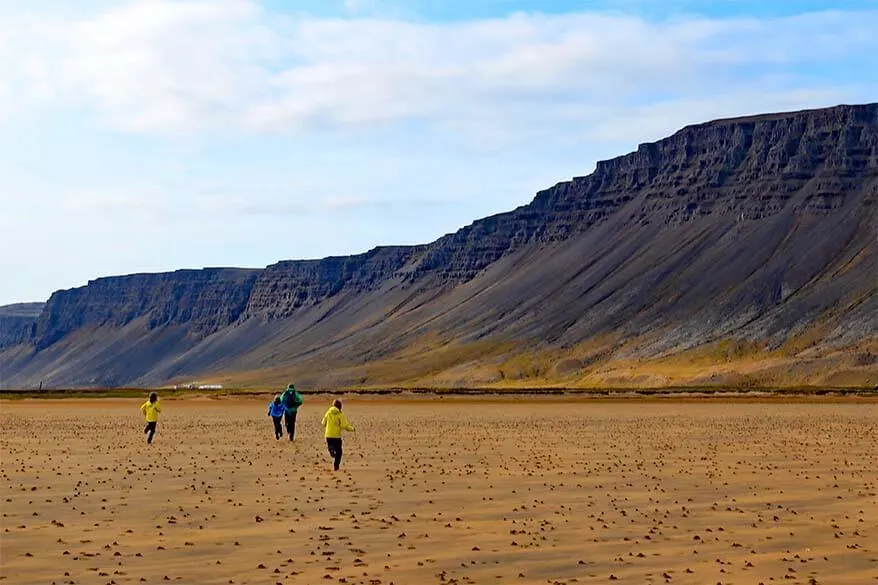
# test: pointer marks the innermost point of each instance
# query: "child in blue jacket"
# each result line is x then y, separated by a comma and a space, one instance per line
276, 411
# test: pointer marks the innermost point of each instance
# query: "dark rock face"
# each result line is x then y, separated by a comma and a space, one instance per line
285, 287
751, 168
18, 323
755, 228
203, 300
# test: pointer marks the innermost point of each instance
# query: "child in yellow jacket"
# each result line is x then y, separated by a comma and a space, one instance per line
151, 409
335, 422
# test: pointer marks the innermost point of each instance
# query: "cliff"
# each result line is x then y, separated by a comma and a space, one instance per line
203, 300
18, 323
284, 287
754, 233
749, 168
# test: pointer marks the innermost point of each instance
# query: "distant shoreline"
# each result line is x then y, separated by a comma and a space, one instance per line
677, 393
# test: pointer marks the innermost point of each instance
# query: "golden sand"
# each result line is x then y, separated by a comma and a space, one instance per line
435, 491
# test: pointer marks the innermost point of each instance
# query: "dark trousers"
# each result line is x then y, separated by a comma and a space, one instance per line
290, 419
278, 429
149, 430
334, 446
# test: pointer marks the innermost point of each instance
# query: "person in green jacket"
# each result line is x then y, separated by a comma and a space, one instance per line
335, 422
292, 400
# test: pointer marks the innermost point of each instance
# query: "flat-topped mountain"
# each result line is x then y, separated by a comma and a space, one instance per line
17, 323
738, 252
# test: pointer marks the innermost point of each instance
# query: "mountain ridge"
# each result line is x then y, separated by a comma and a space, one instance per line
793, 183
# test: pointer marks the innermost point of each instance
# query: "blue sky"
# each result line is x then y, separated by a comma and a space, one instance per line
151, 135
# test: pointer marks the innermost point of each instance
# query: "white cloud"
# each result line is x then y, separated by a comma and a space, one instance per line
169, 66
163, 67
234, 135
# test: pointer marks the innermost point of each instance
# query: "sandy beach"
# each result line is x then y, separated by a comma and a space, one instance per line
433, 491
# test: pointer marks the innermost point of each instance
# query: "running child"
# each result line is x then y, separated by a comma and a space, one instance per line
276, 410
335, 422
291, 400
151, 409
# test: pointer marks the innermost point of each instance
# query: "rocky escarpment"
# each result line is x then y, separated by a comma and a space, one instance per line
755, 167
751, 168
755, 231
18, 323
203, 300
284, 287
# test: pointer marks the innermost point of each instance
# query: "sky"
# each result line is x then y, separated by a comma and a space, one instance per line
154, 135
